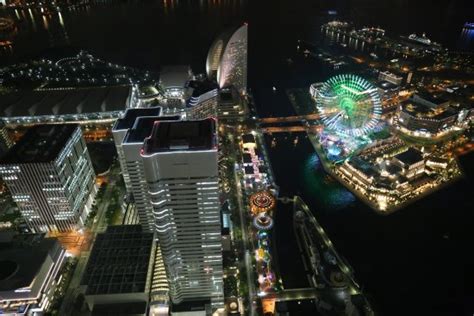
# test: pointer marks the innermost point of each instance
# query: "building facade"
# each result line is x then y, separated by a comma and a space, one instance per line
90, 105
120, 129
30, 266
203, 106
180, 163
430, 117
390, 77
50, 176
129, 134
227, 59
5, 140
132, 146
122, 272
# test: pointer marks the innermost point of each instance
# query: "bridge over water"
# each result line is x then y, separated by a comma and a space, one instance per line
286, 119
299, 126
297, 294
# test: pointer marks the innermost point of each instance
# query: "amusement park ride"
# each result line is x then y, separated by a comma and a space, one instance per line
350, 108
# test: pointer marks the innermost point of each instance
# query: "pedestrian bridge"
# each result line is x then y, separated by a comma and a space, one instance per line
286, 119
288, 129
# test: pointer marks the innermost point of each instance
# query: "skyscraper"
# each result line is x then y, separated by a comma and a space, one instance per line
131, 146
227, 59
129, 133
120, 129
49, 174
180, 164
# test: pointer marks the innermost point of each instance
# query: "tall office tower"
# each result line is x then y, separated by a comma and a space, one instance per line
49, 174
120, 129
129, 133
180, 164
5, 141
131, 148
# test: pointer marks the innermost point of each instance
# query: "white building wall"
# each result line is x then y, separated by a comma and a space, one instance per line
53, 196
183, 186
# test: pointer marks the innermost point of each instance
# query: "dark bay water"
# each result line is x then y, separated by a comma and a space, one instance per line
414, 262
144, 34
150, 33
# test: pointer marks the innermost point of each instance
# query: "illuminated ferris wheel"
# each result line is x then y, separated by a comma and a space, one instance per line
349, 105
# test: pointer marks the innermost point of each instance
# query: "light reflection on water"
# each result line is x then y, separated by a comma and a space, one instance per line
106, 27
328, 193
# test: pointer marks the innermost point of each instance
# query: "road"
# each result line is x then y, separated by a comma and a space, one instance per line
248, 260
98, 226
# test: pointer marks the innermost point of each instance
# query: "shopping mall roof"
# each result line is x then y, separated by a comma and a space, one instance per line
181, 135
190, 307
65, 101
120, 309
21, 259
430, 99
119, 261
41, 143
422, 110
175, 76
410, 157
387, 86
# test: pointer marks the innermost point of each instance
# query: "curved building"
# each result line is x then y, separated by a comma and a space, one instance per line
227, 59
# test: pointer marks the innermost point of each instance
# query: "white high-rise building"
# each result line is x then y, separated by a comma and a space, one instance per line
129, 133
50, 176
180, 167
131, 146
120, 129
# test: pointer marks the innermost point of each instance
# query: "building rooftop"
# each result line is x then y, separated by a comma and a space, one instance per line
385, 85
143, 127
119, 261
21, 259
248, 138
64, 102
120, 309
175, 76
410, 156
249, 170
363, 166
423, 110
131, 115
202, 87
41, 143
433, 100
190, 306
181, 135
228, 95
247, 158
